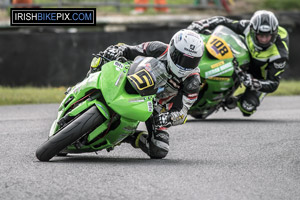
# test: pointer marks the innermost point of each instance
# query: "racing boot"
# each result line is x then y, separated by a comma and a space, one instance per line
155, 145
249, 102
231, 102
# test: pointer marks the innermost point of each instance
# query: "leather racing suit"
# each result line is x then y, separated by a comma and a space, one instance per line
175, 98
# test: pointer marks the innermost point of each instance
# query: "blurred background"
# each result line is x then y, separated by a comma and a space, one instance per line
60, 56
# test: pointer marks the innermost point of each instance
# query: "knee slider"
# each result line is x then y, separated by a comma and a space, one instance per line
249, 102
159, 144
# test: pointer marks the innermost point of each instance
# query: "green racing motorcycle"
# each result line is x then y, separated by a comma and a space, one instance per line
102, 110
222, 67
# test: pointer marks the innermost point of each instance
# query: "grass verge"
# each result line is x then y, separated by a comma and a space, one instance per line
30, 95
286, 88
34, 95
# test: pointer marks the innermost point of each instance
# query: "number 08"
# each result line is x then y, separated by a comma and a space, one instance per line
220, 46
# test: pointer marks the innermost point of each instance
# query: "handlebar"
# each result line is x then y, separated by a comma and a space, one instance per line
101, 55
239, 72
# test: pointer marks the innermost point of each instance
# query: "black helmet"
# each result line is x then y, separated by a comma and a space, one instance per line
263, 23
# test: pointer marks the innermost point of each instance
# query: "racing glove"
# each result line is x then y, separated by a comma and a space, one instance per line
250, 82
113, 52
198, 26
163, 120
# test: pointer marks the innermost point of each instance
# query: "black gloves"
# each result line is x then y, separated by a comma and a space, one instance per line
113, 52
163, 120
250, 82
199, 26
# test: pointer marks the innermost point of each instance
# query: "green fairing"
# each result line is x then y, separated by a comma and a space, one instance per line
218, 82
118, 99
129, 109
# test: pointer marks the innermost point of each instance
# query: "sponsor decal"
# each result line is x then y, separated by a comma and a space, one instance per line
150, 106
220, 70
279, 65
192, 47
190, 50
217, 64
219, 78
118, 65
135, 100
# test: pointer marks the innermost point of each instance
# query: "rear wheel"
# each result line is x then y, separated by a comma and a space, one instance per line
197, 116
76, 129
204, 116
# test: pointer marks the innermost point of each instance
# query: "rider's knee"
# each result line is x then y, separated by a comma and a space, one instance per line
158, 145
248, 103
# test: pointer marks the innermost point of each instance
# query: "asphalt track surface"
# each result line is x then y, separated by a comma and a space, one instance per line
226, 156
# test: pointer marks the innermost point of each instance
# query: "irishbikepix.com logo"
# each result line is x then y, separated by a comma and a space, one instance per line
52, 17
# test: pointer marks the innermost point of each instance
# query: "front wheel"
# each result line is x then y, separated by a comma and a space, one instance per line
79, 127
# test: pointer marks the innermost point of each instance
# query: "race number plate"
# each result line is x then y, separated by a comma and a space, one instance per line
142, 79
218, 48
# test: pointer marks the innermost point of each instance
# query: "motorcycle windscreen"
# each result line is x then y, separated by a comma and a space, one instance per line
146, 74
143, 82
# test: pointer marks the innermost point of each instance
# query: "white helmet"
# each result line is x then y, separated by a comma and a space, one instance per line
185, 52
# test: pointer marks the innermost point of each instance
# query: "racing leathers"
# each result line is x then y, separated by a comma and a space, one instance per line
267, 65
173, 100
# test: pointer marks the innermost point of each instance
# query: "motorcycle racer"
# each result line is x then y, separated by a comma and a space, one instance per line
180, 58
268, 45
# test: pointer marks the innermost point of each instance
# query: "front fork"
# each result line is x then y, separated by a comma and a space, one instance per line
76, 111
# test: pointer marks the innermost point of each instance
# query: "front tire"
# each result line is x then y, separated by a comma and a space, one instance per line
82, 125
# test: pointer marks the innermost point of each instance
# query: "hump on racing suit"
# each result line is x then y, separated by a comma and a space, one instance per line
146, 75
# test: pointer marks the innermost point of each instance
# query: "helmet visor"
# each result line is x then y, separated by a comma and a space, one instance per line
264, 38
183, 60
